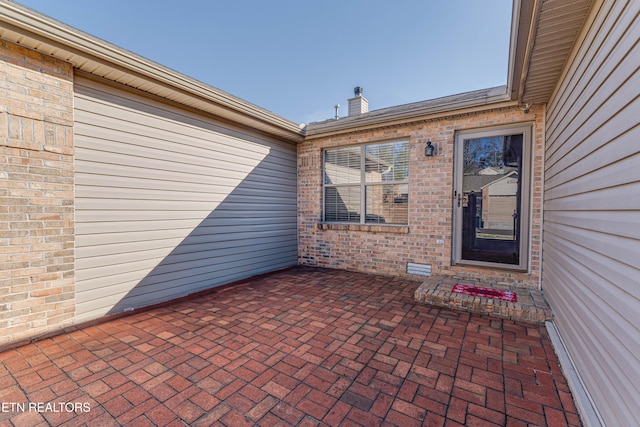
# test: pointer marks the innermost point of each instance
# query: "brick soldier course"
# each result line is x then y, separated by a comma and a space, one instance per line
300, 347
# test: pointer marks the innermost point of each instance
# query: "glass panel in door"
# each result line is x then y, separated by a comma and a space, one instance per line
489, 198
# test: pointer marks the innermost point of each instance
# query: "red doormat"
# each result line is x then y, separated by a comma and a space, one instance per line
485, 292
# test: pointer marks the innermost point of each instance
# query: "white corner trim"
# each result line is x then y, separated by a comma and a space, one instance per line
586, 408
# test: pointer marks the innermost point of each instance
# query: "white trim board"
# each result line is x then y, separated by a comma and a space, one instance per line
588, 412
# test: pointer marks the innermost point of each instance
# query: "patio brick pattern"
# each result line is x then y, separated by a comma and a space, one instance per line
299, 347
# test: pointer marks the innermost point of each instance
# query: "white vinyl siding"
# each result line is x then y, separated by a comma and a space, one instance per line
591, 247
169, 203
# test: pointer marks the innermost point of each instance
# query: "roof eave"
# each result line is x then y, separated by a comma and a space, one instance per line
415, 112
92, 55
537, 58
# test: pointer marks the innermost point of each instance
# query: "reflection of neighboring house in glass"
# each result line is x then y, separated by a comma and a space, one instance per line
493, 191
491, 170
499, 202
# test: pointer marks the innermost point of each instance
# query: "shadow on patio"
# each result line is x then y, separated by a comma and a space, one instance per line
299, 347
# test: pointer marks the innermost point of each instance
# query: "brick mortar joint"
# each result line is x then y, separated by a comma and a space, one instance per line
44, 118
37, 147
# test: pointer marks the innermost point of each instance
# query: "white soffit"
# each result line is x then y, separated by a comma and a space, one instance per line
556, 28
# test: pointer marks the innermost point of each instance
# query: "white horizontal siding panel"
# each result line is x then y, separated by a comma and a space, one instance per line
204, 248
104, 232
165, 165
129, 225
152, 149
95, 308
176, 271
99, 171
114, 243
624, 223
102, 170
613, 258
213, 264
591, 240
90, 249
135, 193
149, 131
609, 199
593, 178
134, 140
179, 276
170, 283
163, 118
93, 242
595, 337
595, 60
96, 203
142, 267
597, 132
250, 186
169, 203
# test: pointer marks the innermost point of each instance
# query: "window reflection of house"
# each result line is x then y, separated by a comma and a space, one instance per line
500, 202
495, 197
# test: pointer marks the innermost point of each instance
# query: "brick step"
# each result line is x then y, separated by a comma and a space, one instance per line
531, 305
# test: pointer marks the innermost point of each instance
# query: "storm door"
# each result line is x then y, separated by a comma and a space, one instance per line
491, 197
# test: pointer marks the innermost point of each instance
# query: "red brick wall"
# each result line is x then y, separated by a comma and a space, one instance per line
36, 194
387, 250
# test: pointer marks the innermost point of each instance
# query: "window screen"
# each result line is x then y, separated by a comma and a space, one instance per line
367, 184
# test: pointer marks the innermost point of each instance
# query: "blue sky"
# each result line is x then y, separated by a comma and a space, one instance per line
297, 58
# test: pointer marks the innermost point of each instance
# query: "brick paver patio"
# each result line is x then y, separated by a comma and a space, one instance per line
299, 347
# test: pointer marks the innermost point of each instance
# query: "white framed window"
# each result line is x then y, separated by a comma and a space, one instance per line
367, 184
492, 197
